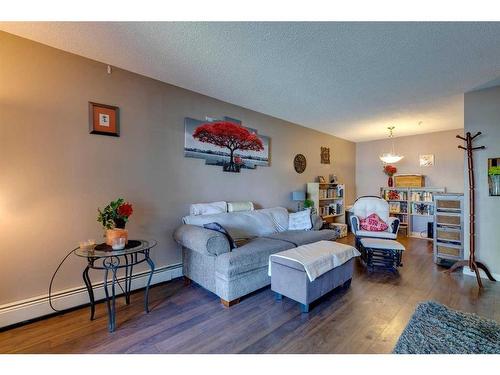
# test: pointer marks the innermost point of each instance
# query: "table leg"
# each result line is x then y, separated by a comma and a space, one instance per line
146, 297
128, 278
113, 292
88, 284
111, 326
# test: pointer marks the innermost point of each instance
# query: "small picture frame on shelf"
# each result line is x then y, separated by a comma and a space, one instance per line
322, 179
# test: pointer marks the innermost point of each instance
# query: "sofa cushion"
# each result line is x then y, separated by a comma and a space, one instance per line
246, 224
302, 237
252, 256
365, 233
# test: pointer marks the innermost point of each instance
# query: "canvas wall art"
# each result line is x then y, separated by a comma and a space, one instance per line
226, 143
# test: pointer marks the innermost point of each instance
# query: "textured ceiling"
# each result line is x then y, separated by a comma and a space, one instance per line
351, 80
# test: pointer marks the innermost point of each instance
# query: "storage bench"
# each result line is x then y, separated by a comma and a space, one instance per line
289, 277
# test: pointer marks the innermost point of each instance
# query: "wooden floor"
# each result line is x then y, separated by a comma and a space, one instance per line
367, 318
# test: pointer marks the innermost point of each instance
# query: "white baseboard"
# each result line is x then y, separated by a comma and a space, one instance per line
36, 307
468, 272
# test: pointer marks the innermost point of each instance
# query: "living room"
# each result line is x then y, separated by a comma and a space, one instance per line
156, 124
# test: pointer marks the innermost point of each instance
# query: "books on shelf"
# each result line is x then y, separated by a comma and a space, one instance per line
398, 207
421, 196
328, 200
331, 209
332, 192
414, 207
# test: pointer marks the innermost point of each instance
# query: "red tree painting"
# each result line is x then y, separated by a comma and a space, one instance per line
228, 135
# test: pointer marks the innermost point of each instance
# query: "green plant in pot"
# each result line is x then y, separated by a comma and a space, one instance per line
113, 218
308, 203
494, 180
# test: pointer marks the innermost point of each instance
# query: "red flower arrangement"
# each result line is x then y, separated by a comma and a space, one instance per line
125, 210
390, 170
115, 214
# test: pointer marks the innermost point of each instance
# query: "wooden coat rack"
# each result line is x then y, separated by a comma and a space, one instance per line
473, 264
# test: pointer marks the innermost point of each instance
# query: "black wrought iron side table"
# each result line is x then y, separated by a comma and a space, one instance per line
102, 257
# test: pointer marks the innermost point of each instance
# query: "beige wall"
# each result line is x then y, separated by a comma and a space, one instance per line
448, 169
54, 175
482, 113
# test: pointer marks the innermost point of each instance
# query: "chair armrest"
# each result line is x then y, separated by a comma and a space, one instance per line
202, 240
354, 224
393, 223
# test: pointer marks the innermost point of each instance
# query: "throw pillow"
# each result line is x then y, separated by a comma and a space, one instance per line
300, 220
219, 228
208, 208
317, 222
373, 223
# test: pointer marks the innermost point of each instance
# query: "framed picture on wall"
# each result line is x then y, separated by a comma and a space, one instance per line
104, 119
426, 160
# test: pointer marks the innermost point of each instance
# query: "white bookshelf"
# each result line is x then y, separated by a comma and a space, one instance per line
329, 200
413, 206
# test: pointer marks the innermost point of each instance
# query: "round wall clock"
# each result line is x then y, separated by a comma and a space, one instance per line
299, 163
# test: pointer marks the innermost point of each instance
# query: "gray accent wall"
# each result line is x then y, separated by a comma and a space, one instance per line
54, 175
448, 169
482, 113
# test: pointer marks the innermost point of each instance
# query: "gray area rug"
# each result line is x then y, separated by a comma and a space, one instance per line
437, 329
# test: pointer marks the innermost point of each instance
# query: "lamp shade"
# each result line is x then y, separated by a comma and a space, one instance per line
298, 195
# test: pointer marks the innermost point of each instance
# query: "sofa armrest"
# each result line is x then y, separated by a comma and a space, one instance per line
205, 241
354, 224
393, 223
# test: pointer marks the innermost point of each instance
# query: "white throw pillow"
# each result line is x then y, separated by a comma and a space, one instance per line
300, 220
239, 206
208, 208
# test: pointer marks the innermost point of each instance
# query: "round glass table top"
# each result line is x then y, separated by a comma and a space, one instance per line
103, 251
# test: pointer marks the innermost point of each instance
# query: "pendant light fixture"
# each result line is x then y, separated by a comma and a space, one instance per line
391, 157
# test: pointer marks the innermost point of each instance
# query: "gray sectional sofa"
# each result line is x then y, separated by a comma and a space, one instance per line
231, 274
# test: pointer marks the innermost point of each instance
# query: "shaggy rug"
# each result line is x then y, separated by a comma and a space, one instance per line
436, 329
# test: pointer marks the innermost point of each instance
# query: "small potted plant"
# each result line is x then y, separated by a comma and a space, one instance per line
113, 219
309, 203
494, 180
390, 170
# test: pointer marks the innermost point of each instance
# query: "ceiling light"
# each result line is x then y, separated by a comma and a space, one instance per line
391, 157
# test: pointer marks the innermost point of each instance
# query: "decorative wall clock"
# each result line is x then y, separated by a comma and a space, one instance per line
299, 163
